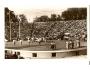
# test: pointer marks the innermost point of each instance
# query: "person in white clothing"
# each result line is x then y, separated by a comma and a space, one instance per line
14, 42
77, 43
21, 42
67, 44
29, 41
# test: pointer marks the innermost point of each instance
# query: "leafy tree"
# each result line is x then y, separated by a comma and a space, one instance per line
23, 19
59, 18
75, 14
43, 18
23, 26
10, 18
53, 17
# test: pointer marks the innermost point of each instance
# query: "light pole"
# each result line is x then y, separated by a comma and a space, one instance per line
10, 25
19, 27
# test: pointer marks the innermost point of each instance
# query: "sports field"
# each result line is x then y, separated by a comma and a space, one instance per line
34, 46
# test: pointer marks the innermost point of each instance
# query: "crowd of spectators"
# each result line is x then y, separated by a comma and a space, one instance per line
56, 29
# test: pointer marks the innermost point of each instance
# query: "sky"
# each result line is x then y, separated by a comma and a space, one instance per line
32, 13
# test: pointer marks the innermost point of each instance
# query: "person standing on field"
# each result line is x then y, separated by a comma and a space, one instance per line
67, 45
21, 42
14, 42
77, 43
29, 41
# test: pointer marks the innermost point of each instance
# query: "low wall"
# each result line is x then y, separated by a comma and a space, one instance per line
51, 54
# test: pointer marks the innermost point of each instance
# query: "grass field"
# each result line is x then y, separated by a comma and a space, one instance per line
34, 46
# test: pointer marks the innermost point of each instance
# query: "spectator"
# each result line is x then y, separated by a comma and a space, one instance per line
15, 56
62, 37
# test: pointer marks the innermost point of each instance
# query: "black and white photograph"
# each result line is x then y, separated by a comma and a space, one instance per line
45, 33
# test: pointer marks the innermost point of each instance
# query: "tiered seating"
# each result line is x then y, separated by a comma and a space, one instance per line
75, 27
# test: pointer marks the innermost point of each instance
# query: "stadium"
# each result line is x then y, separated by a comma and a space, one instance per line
55, 37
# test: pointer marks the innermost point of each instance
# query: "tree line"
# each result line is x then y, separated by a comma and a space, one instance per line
15, 21
69, 14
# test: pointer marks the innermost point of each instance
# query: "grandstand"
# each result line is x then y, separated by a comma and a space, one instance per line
51, 29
